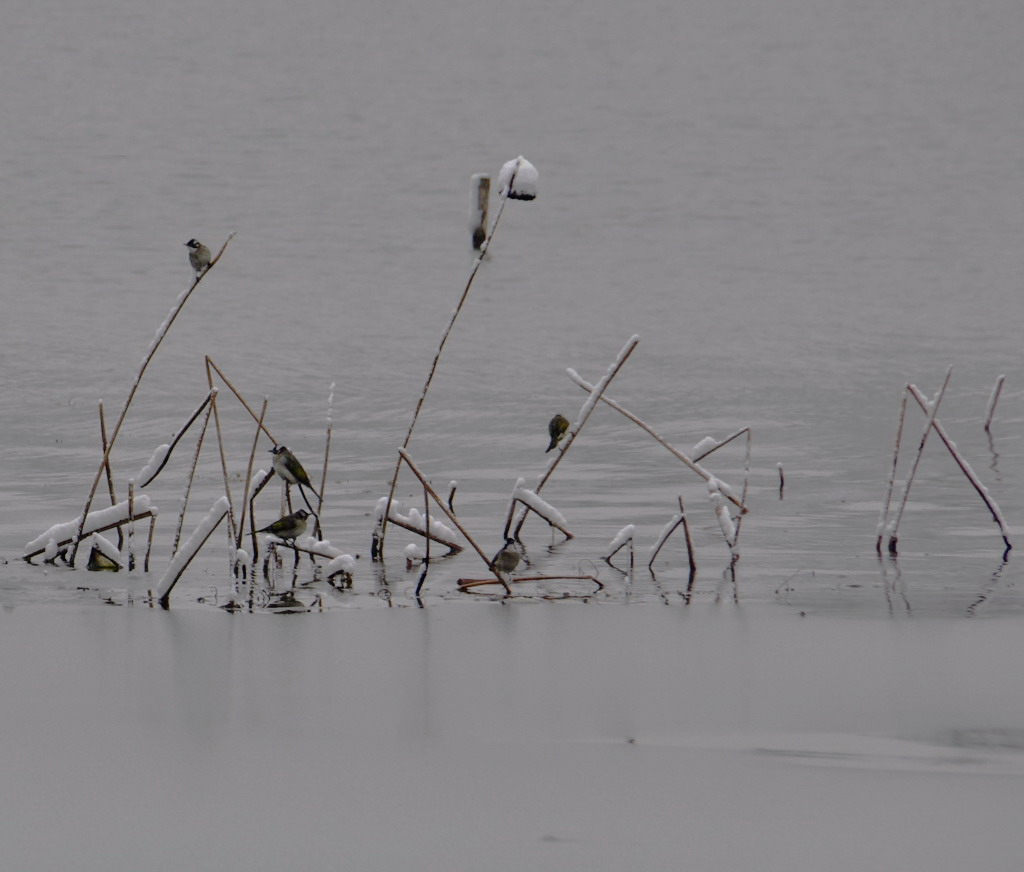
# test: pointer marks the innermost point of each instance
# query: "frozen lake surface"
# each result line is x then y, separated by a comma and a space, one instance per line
798, 207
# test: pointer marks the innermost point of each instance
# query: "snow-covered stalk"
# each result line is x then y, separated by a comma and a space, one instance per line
931, 410
675, 452
179, 563
162, 454
690, 554
223, 457
883, 514
452, 487
528, 498
109, 472
426, 526
965, 467
992, 400
61, 535
725, 521
708, 445
746, 479
596, 392
451, 516
676, 521
377, 547
622, 539
211, 364
153, 346
240, 532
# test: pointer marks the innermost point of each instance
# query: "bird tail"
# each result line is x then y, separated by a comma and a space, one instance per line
554, 442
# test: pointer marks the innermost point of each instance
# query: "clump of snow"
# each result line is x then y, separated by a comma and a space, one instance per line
621, 538
97, 520
721, 508
705, 444
158, 459
191, 547
519, 178
547, 511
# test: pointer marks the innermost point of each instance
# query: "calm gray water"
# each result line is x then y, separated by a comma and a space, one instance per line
798, 206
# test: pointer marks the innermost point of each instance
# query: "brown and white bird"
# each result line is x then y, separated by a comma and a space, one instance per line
288, 467
507, 558
198, 256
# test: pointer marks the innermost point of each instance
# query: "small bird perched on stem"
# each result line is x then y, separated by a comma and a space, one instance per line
556, 430
507, 558
288, 467
288, 527
198, 256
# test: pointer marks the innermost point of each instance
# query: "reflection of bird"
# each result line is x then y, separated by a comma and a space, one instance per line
288, 467
198, 256
289, 526
556, 430
507, 558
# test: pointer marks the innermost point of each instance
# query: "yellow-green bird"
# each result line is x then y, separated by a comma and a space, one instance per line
289, 526
556, 430
288, 467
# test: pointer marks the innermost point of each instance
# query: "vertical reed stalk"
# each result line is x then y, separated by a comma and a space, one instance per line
154, 345
149, 543
992, 400
188, 483
931, 412
240, 532
223, 457
377, 547
883, 514
109, 472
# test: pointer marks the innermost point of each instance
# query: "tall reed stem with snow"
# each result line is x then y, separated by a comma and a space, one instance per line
154, 345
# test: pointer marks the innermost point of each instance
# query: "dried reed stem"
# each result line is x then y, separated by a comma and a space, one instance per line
377, 547
426, 558
883, 514
240, 532
131, 524
178, 436
965, 467
222, 453
211, 364
675, 452
188, 483
931, 410
327, 452
451, 515
154, 345
65, 542
109, 472
992, 400
149, 542
586, 410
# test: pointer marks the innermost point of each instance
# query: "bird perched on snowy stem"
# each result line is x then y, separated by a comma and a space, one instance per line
556, 430
288, 527
199, 256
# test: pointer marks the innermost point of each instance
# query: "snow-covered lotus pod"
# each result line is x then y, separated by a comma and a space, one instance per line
522, 176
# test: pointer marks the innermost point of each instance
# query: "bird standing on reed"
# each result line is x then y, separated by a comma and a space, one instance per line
198, 256
288, 527
507, 558
288, 467
556, 430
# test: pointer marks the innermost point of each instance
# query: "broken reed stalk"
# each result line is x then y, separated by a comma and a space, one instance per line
109, 472
451, 516
679, 521
453, 547
883, 514
178, 436
746, 477
179, 563
586, 410
327, 452
689, 541
252, 514
63, 543
467, 585
240, 532
153, 346
149, 543
675, 452
426, 558
223, 455
211, 364
699, 457
931, 410
965, 467
131, 524
377, 547
992, 400
188, 483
